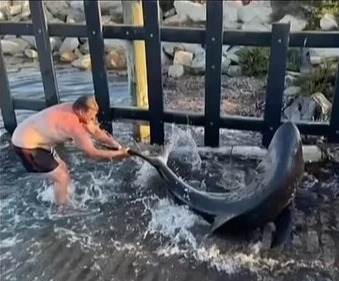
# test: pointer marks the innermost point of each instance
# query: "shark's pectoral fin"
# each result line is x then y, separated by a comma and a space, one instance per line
220, 220
283, 226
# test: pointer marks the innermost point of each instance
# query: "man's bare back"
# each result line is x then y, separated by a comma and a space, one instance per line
34, 139
46, 128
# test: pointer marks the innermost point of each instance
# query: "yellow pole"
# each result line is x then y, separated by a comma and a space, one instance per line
140, 69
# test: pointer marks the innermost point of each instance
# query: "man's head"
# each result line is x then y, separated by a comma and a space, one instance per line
86, 108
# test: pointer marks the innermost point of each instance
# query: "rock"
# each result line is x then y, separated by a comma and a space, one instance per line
226, 49
13, 10
176, 20
328, 22
325, 218
256, 26
4, 4
55, 42
324, 104
230, 14
165, 59
225, 64
292, 91
77, 5
169, 13
267, 235
116, 59
83, 62
171, 47
329, 253
312, 241
303, 108
13, 46
8, 37
23, 16
198, 64
296, 24
290, 95
114, 44
31, 54
59, 9
69, 44
257, 12
296, 241
51, 19
30, 40
176, 71
234, 71
75, 16
68, 56
317, 55
183, 58
291, 78
194, 11
107, 7
84, 48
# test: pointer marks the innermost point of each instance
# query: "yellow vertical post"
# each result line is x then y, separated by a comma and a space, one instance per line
140, 69
136, 64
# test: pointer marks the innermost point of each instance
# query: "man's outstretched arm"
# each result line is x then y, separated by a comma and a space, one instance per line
101, 135
84, 142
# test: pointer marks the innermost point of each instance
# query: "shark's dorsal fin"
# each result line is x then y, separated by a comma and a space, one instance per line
220, 220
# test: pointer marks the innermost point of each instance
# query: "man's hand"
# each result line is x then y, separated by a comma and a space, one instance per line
121, 153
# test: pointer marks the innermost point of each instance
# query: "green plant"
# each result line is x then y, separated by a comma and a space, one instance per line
255, 60
320, 79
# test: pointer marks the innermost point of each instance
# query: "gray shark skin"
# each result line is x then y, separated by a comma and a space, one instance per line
267, 197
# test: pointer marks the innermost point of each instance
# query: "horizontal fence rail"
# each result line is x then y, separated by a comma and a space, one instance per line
310, 39
213, 37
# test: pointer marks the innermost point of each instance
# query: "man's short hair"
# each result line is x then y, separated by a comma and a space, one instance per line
86, 103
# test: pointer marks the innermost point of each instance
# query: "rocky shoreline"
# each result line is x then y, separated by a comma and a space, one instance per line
304, 95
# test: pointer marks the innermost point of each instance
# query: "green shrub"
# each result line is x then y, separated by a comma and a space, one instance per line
255, 60
320, 79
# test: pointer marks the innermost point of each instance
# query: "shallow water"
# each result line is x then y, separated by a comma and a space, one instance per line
122, 225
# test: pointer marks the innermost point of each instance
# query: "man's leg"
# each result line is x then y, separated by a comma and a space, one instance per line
61, 179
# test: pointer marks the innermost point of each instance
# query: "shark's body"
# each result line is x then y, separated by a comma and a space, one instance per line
266, 198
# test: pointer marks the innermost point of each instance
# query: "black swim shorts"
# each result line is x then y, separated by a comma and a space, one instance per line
36, 160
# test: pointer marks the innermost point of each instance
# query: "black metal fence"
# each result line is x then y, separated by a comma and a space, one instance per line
213, 36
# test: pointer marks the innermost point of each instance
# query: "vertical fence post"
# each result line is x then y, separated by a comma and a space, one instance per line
6, 101
334, 121
214, 39
276, 80
40, 30
136, 65
154, 70
98, 62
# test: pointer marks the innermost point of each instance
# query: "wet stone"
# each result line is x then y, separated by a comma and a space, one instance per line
311, 220
296, 241
312, 241
299, 220
325, 218
329, 254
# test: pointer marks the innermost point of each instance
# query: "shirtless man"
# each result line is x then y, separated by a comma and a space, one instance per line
35, 138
